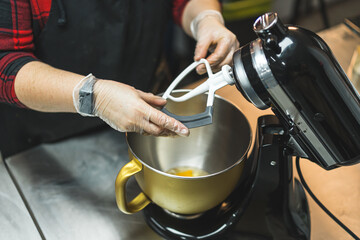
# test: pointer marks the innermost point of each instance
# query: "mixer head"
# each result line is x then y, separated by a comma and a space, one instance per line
293, 71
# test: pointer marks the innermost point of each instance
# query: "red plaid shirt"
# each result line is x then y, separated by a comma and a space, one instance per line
20, 21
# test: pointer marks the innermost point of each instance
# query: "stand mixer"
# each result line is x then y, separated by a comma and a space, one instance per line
317, 109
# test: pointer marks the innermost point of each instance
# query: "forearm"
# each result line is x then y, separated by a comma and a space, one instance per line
43, 88
193, 8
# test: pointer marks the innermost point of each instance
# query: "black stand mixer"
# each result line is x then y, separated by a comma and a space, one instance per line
317, 109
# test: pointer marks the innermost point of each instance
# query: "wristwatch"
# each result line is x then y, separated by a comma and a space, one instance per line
86, 96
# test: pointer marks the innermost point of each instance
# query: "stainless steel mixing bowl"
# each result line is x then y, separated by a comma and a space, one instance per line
220, 149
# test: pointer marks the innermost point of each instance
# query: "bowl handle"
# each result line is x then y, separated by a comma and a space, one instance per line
141, 200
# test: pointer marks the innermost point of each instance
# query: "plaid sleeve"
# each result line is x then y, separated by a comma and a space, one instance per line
178, 9
16, 45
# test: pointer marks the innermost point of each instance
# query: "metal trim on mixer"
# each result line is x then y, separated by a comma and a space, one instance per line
264, 22
264, 72
241, 76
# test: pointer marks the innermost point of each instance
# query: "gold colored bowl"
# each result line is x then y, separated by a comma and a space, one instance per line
219, 149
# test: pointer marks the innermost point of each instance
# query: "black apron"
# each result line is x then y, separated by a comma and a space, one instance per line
113, 39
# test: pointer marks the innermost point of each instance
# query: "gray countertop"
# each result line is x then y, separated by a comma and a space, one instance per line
15, 220
69, 186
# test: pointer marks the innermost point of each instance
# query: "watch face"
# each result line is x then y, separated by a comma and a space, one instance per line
85, 100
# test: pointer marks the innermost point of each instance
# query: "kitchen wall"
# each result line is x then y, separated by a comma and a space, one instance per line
285, 7
337, 10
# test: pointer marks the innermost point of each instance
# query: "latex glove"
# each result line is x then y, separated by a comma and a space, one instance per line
211, 35
127, 109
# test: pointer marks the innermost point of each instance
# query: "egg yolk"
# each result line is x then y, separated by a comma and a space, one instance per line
187, 172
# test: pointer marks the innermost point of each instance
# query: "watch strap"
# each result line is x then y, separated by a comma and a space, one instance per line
85, 101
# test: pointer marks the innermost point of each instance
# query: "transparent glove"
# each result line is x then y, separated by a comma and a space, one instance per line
211, 35
129, 110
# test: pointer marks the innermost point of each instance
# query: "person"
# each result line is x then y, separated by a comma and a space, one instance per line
48, 48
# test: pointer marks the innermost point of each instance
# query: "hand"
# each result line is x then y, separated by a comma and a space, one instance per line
213, 36
129, 110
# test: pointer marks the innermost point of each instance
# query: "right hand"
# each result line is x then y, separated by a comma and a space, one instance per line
213, 36
127, 109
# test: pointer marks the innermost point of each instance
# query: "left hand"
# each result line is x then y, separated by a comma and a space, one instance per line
213, 36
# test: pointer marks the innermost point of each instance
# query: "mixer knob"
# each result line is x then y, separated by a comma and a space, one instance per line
269, 25
271, 43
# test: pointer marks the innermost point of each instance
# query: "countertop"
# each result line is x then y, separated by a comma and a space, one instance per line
15, 220
69, 187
